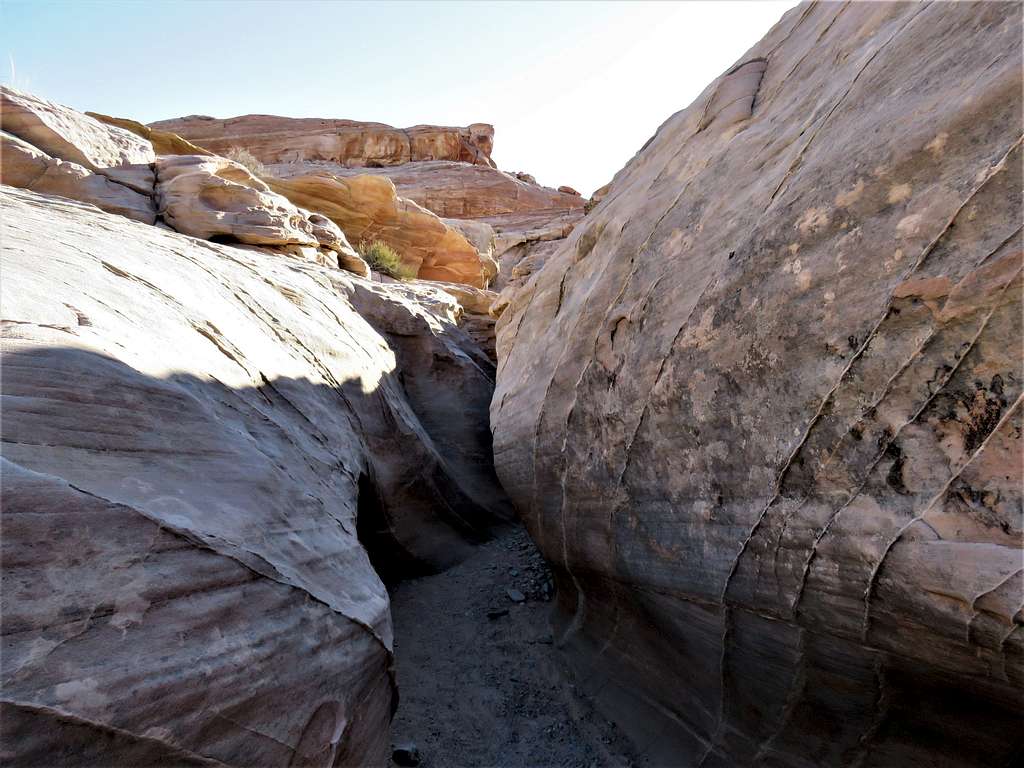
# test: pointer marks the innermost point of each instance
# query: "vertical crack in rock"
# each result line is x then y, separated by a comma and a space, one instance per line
988, 175
873, 579
892, 437
803, 150
751, 434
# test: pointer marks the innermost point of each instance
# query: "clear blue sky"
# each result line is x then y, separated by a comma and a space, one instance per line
573, 89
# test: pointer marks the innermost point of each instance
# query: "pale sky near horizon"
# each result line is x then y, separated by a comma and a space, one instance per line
573, 89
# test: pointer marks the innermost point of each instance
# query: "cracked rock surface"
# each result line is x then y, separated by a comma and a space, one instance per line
762, 408
204, 449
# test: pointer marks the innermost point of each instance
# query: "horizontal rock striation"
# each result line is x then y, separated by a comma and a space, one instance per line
762, 409
273, 139
206, 451
457, 190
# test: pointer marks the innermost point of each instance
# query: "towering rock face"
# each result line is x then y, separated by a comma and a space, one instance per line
204, 449
762, 409
274, 139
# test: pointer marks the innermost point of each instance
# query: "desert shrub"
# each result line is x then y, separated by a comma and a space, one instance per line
382, 258
245, 157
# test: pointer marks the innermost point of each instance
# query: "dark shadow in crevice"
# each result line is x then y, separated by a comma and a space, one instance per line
375, 531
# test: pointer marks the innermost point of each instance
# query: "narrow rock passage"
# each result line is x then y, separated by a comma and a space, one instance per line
480, 682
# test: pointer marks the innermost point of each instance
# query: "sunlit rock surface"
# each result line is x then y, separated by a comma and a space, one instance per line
762, 408
198, 442
66, 134
368, 208
28, 167
273, 139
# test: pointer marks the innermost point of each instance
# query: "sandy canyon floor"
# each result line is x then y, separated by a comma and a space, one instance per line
480, 681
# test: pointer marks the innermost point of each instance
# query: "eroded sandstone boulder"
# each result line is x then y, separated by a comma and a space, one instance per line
273, 139
23, 165
212, 197
368, 208
66, 134
205, 449
762, 408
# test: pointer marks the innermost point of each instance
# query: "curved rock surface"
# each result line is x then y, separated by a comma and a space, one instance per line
762, 409
28, 167
273, 139
199, 442
368, 208
213, 197
164, 142
67, 134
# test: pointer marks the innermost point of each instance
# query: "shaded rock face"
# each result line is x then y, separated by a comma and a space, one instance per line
201, 443
354, 144
762, 409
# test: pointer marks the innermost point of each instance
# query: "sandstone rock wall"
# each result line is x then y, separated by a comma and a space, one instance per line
205, 448
368, 208
457, 190
762, 408
273, 139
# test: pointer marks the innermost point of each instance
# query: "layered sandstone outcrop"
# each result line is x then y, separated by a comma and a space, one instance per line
214, 198
206, 451
273, 139
457, 190
762, 409
446, 171
368, 208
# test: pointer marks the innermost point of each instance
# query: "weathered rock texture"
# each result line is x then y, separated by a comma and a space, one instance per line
64, 133
368, 208
274, 139
507, 218
458, 190
197, 440
213, 197
23, 165
762, 409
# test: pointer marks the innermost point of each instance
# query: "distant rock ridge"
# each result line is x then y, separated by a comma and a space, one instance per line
273, 139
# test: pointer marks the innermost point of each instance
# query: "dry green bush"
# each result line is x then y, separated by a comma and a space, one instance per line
382, 258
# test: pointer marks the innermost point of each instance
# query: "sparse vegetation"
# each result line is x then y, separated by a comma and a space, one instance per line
382, 258
245, 157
